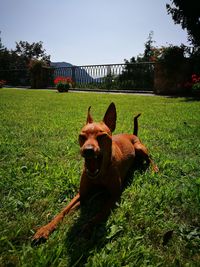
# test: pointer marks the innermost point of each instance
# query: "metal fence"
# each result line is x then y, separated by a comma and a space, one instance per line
136, 76
16, 77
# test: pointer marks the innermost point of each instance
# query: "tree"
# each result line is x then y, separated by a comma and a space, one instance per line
148, 46
4, 56
187, 14
136, 73
15, 64
34, 51
1, 45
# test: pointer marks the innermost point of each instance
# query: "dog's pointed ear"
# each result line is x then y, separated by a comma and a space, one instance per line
110, 117
89, 117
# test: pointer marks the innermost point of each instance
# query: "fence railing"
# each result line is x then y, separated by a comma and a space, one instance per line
135, 76
16, 77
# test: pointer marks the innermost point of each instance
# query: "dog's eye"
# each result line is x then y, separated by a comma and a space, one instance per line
82, 139
101, 136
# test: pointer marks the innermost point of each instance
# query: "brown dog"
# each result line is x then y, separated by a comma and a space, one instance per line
107, 161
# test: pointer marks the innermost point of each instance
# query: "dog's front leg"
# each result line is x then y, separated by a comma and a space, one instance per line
43, 233
102, 215
106, 209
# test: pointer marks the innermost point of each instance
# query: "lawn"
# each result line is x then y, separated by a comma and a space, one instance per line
157, 222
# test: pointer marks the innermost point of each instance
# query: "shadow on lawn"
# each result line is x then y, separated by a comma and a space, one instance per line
81, 246
191, 99
186, 98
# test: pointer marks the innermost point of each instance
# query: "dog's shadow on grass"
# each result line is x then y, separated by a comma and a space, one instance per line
81, 245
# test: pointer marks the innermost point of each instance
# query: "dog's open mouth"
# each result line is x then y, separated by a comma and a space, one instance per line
93, 165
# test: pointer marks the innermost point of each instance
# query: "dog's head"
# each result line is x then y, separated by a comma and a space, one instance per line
95, 142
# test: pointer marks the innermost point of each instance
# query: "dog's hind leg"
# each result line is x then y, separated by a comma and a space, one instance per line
142, 152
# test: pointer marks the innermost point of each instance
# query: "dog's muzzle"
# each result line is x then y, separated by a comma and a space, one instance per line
93, 161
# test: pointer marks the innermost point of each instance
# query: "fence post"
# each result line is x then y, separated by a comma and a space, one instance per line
74, 76
109, 78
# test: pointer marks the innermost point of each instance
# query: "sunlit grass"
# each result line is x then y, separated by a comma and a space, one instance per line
156, 223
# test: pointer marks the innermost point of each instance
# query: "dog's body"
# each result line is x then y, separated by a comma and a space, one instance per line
108, 159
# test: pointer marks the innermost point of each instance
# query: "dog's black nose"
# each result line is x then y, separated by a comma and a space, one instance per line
88, 152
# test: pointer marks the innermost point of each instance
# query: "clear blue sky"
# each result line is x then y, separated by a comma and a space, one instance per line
88, 31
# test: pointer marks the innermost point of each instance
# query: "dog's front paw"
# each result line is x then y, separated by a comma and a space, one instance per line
42, 235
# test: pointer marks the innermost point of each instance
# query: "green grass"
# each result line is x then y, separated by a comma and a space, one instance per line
40, 166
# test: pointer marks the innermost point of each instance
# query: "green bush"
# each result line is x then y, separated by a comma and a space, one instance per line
62, 87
